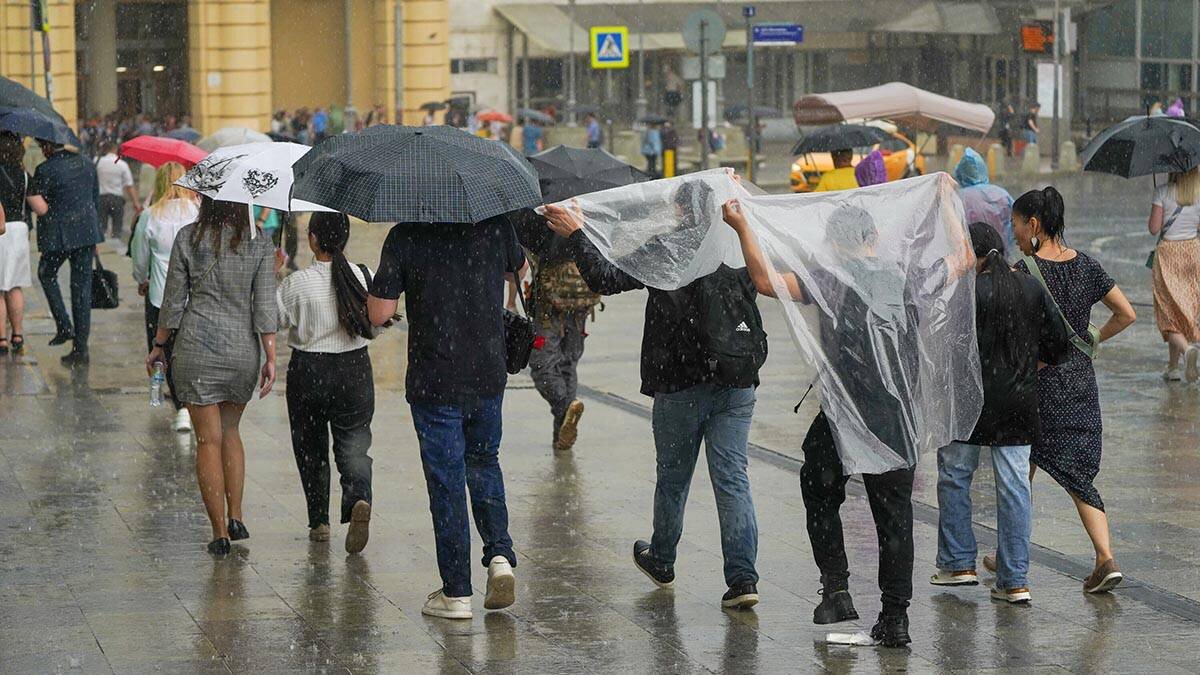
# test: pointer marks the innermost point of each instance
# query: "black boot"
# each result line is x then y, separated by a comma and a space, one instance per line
76, 357
62, 337
836, 604
219, 546
891, 630
237, 530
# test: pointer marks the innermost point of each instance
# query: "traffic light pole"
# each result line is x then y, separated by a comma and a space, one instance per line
1058, 35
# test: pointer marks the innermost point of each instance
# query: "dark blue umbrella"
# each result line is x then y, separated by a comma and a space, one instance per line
397, 174
185, 134
34, 123
1141, 146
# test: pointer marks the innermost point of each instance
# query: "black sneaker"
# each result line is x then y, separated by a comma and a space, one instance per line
741, 596
219, 547
836, 606
891, 630
663, 575
237, 530
61, 337
76, 358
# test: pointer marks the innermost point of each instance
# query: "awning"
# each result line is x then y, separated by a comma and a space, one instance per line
895, 101
548, 24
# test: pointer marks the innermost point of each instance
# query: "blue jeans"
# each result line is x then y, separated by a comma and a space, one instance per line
460, 451
720, 416
956, 541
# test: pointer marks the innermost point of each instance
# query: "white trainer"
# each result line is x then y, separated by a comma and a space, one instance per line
501, 584
1011, 595
447, 608
954, 578
183, 421
1172, 374
1190, 358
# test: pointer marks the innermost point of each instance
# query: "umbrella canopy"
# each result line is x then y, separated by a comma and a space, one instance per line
156, 151
494, 116
34, 123
1141, 146
565, 172
535, 115
228, 136
433, 106
896, 101
16, 95
653, 118
839, 137
439, 174
760, 111
252, 173
186, 134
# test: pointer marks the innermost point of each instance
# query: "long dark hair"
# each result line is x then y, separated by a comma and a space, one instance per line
11, 149
999, 317
216, 216
1047, 206
332, 232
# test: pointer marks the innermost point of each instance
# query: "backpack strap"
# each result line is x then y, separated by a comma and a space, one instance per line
1088, 348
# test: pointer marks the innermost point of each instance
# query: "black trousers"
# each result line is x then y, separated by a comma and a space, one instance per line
112, 210
151, 314
331, 392
823, 486
81, 291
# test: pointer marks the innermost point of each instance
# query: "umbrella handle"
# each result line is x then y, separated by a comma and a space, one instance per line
250, 218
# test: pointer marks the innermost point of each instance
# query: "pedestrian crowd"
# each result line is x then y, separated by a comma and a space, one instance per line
214, 306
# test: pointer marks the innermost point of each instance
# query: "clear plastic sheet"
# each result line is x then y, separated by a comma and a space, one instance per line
888, 270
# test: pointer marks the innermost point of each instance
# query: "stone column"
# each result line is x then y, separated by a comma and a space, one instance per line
426, 34
229, 63
101, 57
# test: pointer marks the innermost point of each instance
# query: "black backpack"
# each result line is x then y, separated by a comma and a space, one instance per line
729, 327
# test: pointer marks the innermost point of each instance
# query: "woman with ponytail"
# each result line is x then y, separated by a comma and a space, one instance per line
330, 384
1017, 326
1068, 398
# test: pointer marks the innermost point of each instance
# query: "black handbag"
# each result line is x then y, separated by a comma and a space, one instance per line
104, 287
520, 338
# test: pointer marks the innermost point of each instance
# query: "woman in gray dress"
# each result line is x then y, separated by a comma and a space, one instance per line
219, 307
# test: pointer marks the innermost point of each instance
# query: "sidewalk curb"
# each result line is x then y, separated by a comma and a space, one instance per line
1148, 594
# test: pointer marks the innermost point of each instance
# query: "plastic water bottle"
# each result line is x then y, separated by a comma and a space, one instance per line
157, 379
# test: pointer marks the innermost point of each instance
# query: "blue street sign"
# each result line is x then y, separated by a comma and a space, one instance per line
778, 34
748, 11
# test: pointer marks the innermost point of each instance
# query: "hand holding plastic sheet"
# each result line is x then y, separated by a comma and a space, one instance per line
888, 269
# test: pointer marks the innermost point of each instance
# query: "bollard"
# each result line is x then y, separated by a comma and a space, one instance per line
995, 160
668, 163
1031, 161
1067, 159
956, 153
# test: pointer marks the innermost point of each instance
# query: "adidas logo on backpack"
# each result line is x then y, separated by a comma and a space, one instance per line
742, 328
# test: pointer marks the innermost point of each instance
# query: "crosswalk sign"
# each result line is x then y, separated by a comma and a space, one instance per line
610, 46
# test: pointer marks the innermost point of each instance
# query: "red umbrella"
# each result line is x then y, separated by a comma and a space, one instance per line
157, 150
494, 116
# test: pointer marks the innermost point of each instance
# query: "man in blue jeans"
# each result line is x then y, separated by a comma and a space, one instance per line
452, 278
691, 403
1017, 326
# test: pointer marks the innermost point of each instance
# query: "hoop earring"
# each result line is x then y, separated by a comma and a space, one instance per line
1033, 241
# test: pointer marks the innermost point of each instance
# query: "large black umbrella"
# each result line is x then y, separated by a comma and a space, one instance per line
185, 134
1141, 146
36, 124
738, 111
437, 174
434, 106
839, 137
653, 118
565, 172
534, 115
16, 95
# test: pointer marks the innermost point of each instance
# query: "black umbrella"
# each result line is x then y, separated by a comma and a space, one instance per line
437, 174
839, 137
34, 123
535, 115
16, 95
760, 111
185, 134
1144, 145
565, 172
280, 138
653, 118
433, 105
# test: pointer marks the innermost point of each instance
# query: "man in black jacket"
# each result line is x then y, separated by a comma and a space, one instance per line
690, 406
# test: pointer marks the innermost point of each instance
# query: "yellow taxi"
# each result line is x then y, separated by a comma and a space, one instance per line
900, 158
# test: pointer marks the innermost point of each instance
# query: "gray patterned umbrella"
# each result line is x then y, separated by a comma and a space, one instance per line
396, 174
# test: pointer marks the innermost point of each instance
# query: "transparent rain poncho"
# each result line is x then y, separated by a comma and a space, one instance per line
887, 271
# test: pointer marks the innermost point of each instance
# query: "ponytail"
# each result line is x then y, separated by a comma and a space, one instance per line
332, 232
1047, 206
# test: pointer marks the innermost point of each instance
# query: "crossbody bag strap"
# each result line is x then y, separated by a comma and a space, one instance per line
1080, 344
1167, 225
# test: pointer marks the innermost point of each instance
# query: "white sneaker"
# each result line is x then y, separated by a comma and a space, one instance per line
1172, 374
183, 421
447, 608
954, 578
1011, 595
501, 584
1190, 357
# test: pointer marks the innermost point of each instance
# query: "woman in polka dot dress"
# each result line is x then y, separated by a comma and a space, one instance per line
1069, 401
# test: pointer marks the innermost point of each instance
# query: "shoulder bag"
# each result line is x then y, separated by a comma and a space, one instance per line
1089, 347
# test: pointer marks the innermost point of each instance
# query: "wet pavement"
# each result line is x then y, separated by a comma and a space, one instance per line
102, 533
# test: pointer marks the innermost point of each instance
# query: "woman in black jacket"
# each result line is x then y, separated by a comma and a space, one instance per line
1019, 330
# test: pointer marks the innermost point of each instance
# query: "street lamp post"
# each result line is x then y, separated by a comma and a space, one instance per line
1058, 36
571, 119
641, 99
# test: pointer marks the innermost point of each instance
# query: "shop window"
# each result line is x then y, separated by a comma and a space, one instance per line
1167, 29
460, 66
1112, 30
